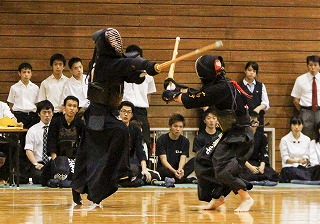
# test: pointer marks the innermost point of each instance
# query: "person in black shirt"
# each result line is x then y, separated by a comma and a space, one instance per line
257, 168
173, 149
4, 167
210, 133
136, 158
65, 133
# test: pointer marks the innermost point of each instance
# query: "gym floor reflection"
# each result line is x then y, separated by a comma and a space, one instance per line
156, 205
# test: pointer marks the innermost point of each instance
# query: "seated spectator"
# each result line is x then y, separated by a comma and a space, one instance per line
4, 168
137, 156
257, 168
4, 144
63, 138
294, 148
36, 144
315, 148
140, 95
6, 112
173, 149
210, 133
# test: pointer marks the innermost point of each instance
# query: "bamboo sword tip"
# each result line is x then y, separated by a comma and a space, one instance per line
219, 43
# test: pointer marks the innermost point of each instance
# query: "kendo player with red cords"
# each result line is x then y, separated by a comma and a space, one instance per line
217, 165
106, 138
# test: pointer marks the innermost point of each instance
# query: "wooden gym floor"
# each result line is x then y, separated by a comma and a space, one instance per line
281, 204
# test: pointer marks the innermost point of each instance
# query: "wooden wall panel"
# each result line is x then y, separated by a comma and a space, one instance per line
277, 34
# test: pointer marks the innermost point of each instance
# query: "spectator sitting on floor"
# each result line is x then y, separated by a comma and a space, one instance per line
136, 158
36, 144
295, 154
258, 168
173, 150
211, 131
4, 168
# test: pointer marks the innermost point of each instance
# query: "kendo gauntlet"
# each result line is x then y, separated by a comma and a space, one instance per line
170, 84
169, 95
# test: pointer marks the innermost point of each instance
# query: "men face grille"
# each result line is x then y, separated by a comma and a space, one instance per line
114, 38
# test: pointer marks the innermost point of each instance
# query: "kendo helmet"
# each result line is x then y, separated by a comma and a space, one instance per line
208, 67
108, 42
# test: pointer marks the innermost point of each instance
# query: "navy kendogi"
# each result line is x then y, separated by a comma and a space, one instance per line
217, 164
106, 138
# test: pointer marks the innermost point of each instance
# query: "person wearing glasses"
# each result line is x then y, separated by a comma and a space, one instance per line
135, 162
257, 169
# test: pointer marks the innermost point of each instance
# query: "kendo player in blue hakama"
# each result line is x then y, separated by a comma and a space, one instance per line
217, 165
106, 138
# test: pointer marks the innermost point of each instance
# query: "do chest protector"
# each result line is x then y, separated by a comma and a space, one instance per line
68, 142
109, 94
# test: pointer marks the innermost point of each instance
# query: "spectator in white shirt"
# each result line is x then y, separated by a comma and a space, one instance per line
302, 96
51, 87
35, 145
294, 149
23, 96
76, 85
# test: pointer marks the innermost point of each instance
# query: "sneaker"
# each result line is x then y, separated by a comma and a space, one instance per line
191, 180
270, 183
169, 182
264, 183
134, 182
54, 183
195, 181
307, 182
65, 183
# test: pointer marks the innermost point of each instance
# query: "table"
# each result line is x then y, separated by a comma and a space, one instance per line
14, 143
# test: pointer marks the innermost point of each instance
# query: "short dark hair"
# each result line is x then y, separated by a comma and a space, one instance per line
128, 104
70, 98
313, 58
296, 120
24, 65
134, 48
208, 111
44, 105
2, 154
175, 118
136, 123
253, 114
74, 60
58, 57
253, 64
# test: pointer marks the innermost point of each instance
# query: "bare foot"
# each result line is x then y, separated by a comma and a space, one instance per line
93, 206
245, 205
215, 203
